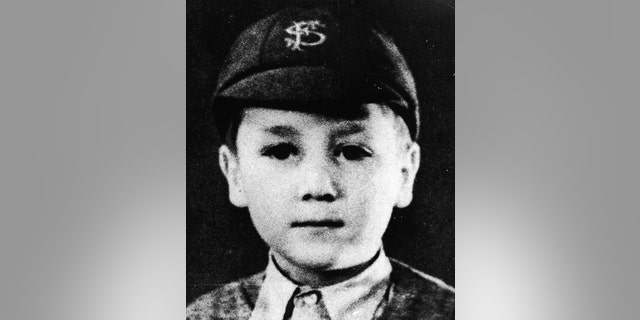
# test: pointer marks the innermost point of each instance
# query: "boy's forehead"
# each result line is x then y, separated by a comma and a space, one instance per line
276, 120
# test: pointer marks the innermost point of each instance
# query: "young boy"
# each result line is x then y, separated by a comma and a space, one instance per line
320, 115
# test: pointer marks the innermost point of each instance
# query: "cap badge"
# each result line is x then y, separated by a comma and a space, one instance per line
305, 35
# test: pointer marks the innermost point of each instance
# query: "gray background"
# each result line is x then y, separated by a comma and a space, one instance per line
92, 131
222, 244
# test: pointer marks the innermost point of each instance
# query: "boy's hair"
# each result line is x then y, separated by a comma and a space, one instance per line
231, 136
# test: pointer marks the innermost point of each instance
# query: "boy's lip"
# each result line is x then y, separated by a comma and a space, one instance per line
326, 223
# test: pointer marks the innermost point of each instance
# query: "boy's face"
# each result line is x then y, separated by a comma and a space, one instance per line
320, 190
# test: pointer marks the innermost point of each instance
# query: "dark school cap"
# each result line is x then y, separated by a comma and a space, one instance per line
315, 59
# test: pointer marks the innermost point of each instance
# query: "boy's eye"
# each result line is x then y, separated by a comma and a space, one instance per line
353, 153
281, 151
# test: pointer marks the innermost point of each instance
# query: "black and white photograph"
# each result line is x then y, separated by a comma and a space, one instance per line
320, 159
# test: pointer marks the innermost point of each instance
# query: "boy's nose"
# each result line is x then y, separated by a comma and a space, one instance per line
317, 181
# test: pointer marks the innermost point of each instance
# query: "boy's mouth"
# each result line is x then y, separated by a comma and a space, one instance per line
318, 224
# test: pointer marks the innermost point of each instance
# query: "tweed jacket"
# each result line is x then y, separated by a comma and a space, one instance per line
411, 295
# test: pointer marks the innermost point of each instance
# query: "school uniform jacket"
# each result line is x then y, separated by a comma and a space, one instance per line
411, 295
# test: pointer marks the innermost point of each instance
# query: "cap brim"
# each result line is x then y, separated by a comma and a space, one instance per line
301, 84
313, 89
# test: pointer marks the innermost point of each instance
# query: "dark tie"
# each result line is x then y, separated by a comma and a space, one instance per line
306, 305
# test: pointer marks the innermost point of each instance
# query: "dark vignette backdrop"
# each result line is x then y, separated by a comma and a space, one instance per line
222, 245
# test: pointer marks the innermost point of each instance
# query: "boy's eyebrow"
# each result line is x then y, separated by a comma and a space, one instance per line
282, 131
349, 129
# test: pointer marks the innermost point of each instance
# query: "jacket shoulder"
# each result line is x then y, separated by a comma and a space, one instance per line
416, 295
234, 300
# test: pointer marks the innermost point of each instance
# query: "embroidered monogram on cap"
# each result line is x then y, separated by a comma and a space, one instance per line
305, 33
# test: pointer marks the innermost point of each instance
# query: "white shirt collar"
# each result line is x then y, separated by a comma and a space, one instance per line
354, 299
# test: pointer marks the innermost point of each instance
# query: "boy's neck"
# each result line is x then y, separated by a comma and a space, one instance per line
317, 278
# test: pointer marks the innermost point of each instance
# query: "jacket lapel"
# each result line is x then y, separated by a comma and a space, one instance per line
250, 289
411, 296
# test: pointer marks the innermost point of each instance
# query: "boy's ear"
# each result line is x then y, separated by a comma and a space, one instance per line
410, 164
229, 165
